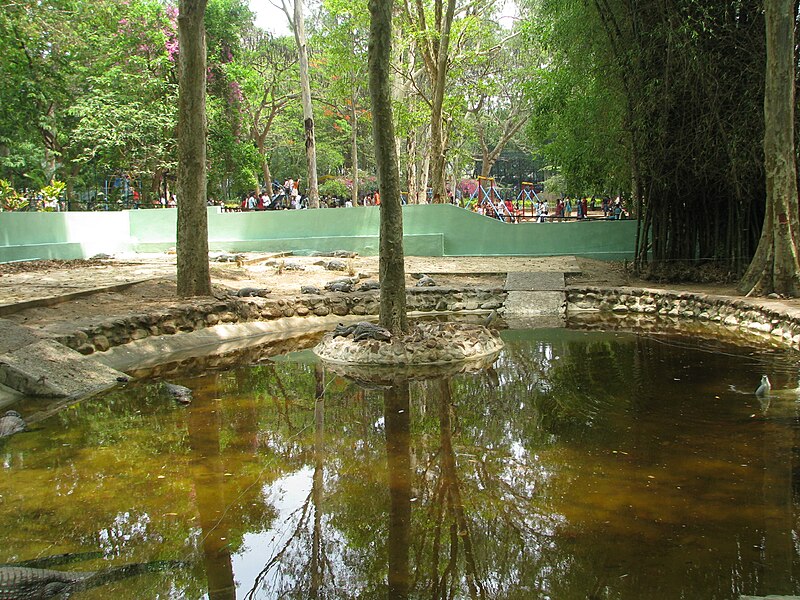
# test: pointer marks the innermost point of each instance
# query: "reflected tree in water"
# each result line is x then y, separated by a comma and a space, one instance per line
497, 484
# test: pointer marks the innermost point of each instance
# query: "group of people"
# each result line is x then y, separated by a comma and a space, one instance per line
565, 208
613, 210
286, 196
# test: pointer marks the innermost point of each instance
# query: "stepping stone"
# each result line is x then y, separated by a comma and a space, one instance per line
534, 304
534, 281
47, 368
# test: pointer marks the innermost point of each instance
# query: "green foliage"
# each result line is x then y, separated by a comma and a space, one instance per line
555, 185
664, 101
53, 191
334, 188
10, 199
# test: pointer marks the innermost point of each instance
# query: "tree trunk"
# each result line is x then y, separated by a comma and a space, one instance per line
397, 409
267, 178
412, 183
486, 166
775, 266
391, 260
265, 172
354, 129
422, 173
308, 111
194, 278
438, 145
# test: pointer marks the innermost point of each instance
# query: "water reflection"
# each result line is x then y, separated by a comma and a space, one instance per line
398, 460
208, 475
602, 465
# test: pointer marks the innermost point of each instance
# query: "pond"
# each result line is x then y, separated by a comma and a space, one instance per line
584, 464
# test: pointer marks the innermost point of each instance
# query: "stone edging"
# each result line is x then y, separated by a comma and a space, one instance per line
427, 343
780, 323
199, 314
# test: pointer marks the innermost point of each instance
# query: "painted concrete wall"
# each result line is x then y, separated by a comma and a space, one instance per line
50, 235
429, 230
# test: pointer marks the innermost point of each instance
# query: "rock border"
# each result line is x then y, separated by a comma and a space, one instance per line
202, 313
779, 322
427, 343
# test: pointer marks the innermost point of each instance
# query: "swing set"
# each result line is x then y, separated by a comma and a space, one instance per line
488, 198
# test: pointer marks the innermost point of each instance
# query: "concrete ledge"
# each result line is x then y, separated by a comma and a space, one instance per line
7, 309
202, 313
219, 339
49, 369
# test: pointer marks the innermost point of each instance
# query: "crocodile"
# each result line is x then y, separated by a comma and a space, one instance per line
366, 330
181, 394
339, 286
344, 330
310, 289
237, 258
336, 254
335, 265
369, 285
11, 423
18, 582
250, 292
362, 330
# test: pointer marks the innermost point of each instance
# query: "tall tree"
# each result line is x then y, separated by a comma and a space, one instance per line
776, 265
297, 22
664, 102
344, 41
499, 100
194, 277
265, 72
434, 46
391, 261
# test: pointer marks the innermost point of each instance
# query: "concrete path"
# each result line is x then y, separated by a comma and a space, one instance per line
535, 294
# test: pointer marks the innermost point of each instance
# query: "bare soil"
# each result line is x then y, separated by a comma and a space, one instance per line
152, 280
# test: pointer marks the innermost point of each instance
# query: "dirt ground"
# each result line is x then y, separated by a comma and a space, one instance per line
150, 279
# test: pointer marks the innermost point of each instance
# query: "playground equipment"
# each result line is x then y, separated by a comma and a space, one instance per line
527, 192
527, 195
488, 197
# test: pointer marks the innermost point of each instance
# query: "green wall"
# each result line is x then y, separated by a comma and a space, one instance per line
430, 230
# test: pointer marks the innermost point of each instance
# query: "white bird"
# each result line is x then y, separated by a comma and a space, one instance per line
764, 387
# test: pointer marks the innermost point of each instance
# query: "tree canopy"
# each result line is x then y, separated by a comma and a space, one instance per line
658, 103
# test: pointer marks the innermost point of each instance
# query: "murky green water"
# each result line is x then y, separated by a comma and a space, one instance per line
584, 465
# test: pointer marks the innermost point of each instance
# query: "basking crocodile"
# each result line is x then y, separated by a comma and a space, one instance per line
369, 285
361, 331
339, 286
19, 582
426, 281
251, 292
